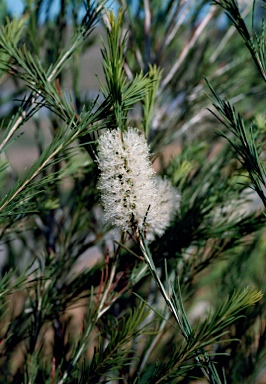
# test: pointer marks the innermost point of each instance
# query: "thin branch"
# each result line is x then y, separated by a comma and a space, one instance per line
226, 38
40, 168
147, 34
187, 48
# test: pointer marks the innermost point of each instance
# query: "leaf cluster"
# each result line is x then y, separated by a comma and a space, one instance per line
72, 316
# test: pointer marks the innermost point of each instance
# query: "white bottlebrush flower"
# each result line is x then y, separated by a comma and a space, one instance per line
168, 201
127, 179
131, 194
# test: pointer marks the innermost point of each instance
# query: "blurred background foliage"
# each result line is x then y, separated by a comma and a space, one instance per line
57, 255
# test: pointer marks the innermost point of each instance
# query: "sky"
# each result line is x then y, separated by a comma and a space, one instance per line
16, 6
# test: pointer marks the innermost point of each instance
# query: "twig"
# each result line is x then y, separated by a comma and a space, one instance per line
147, 33
226, 38
187, 48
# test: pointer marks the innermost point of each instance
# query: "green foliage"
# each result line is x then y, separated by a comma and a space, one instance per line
123, 93
79, 301
256, 46
244, 144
